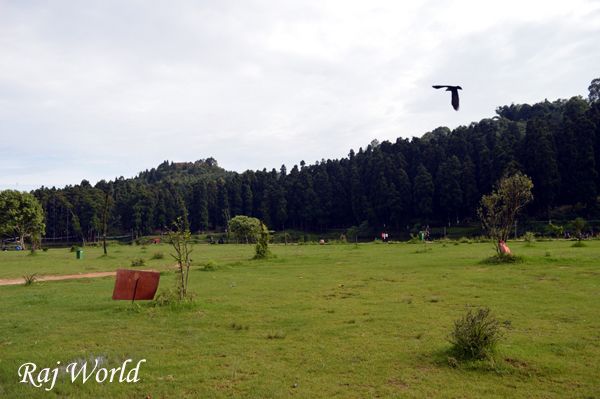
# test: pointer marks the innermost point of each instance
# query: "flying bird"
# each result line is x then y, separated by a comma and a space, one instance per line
454, 90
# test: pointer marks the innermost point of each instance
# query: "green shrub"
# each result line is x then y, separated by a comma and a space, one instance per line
158, 255
138, 262
262, 243
529, 238
208, 266
475, 334
171, 300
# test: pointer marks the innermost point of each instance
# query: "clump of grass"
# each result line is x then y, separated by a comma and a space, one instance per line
170, 298
423, 249
502, 259
276, 335
452, 362
414, 239
29, 279
209, 266
578, 244
475, 334
158, 255
548, 254
138, 262
238, 327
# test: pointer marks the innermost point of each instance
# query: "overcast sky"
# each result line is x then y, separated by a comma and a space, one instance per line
109, 88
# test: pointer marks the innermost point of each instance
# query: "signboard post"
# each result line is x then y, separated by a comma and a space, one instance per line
135, 285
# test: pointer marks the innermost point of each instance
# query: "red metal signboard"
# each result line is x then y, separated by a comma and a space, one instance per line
135, 285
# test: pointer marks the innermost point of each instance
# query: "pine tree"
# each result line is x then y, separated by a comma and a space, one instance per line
423, 189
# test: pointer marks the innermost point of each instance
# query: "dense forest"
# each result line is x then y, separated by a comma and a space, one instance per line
437, 178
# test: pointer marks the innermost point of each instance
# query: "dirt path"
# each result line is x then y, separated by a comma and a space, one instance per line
17, 281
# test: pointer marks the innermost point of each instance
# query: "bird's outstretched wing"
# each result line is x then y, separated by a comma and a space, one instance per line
439, 87
455, 104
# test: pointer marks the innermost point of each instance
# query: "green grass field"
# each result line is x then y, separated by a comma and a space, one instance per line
316, 321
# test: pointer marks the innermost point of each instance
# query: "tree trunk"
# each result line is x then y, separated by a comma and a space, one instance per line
104, 223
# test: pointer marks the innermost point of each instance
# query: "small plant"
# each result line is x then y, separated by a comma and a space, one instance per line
138, 262
529, 238
29, 279
579, 224
475, 334
452, 362
238, 327
276, 335
180, 239
158, 255
209, 266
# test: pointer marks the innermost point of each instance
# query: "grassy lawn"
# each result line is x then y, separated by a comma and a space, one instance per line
316, 321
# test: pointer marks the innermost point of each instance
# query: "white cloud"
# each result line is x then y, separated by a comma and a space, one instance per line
98, 90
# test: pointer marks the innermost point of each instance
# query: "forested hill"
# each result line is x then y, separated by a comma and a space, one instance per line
438, 178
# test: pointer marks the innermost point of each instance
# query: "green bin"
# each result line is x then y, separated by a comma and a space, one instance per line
79, 253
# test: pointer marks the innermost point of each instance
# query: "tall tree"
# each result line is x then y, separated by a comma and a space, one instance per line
423, 189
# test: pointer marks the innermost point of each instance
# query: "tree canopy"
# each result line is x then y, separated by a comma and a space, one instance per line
499, 209
21, 215
436, 178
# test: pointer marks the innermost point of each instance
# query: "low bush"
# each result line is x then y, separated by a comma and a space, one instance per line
138, 262
170, 299
529, 238
208, 266
158, 255
475, 335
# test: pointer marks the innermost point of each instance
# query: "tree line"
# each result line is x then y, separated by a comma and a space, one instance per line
437, 178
